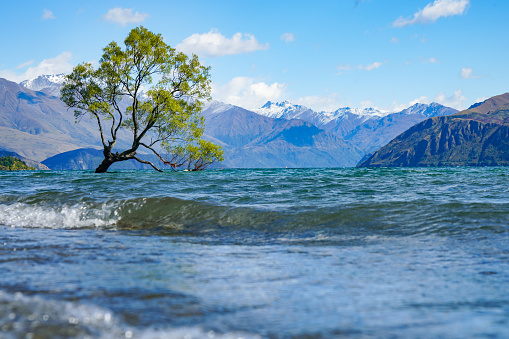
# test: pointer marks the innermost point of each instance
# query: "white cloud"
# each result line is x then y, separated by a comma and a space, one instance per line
372, 66
288, 37
56, 65
421, 100
214, 43
47, 15
342, 67
367, 104
399, 107
457, 100
433, 11
10, 75
468, 73
433, 60
368, 67
394, 40
327, 103
246, 93
124, 16
481, 99
25, 64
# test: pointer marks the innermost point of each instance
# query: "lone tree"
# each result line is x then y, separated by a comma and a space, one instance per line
153, 92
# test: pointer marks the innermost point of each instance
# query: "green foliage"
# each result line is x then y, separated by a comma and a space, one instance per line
10, 163
153, 91
202, 154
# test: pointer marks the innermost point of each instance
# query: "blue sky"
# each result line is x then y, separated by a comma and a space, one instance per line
323, 54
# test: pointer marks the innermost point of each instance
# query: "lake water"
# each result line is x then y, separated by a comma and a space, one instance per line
284, 253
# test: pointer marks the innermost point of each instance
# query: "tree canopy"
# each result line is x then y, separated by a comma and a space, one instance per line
151, 90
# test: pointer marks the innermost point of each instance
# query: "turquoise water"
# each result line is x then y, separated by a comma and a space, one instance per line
286, 253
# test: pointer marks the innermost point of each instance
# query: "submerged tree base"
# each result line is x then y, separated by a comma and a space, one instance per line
103, 167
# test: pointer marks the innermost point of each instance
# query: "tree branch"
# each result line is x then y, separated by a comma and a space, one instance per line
121, 116
175, 161
147, 162
100, 128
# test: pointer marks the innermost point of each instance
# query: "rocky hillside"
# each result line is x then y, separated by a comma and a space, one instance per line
478, 136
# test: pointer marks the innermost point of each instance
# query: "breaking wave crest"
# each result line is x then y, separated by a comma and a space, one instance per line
173, 216
77, 216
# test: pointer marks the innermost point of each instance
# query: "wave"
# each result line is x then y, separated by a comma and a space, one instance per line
173, 216
77, 216
24, 316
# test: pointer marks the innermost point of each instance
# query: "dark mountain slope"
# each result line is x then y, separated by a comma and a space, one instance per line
478, 136
373, 134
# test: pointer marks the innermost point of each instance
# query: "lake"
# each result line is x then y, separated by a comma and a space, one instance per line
262, 253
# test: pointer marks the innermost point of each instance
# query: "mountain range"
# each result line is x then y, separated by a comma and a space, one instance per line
478, 136
368, 129
35, 124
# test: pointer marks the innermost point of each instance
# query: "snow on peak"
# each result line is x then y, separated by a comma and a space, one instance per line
358, 113
431, 110
52, 83
214, 106
282, 109
287, 110
415, 109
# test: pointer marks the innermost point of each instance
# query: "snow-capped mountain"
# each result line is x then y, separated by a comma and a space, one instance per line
51, 84
366, 128
214, 106
286, 110
278, 110
375, 133
429, 111
364, 113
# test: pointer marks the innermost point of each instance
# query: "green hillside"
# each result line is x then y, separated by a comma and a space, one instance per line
10, 163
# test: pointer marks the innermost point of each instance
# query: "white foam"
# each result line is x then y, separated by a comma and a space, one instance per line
23, 215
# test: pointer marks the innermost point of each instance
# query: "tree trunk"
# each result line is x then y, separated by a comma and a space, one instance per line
103, 167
